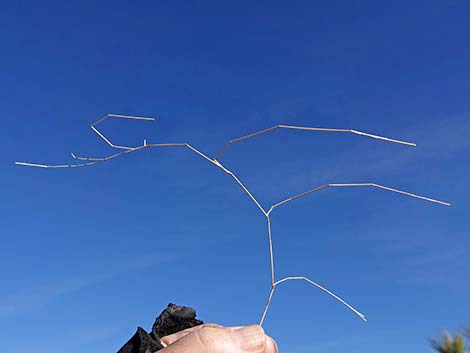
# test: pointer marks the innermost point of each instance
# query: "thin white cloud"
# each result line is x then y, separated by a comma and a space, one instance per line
364, 161
30, 298
435, 142
68, 340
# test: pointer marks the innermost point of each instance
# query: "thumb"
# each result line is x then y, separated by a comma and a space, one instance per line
248, 339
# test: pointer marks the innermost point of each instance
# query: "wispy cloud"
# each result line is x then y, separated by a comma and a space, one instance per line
68, 339
435, 142
437, 260
444, 267
30, 298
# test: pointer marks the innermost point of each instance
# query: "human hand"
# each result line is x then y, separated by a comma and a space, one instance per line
211, 338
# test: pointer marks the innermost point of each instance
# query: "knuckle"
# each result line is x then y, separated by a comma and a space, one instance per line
206, 337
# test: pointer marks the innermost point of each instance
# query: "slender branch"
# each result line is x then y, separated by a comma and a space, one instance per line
303, 128
271, 256
308, 192
234, 177
325, 290
74, 156
250, 195
93, 127
271, 260
95, 160
89, 161
55, 166
268, 303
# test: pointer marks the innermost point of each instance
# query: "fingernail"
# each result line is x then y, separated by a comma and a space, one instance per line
250, 338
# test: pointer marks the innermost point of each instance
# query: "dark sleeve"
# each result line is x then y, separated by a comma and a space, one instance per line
173, 319
141, 342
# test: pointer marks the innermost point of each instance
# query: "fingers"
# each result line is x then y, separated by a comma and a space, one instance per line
271, 345
167, 340
217, 339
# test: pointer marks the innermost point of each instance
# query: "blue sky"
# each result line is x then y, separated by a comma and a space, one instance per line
88, 254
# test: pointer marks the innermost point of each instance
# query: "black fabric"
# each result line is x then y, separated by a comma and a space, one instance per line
141, 342
173, 319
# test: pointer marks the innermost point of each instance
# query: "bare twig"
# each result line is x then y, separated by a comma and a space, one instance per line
303, 128
93, 127
89, 161
311, 191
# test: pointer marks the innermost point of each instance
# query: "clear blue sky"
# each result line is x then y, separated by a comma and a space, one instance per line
88, 254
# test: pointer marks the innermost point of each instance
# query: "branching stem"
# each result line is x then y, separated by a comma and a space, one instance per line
89, 161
